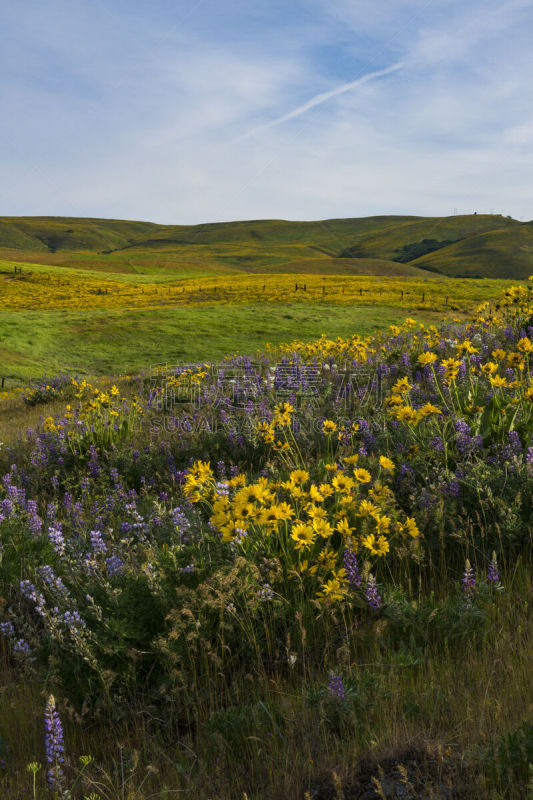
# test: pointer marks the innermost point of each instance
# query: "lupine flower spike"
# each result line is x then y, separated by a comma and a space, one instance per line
372, 596
336, 686
468, 582
493, 573
53, 743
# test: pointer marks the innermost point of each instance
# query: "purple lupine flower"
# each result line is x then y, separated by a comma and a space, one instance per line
73, 620
372, 596
493, 573
352, 568
56, 537
7, 629
336, 686
7, 507
85, 483
240, 535
53, 743
468, 582
52, 580
180, 520
514, 441
22, 649
97, 542
114, 565
437, 444
529, 460
29, 592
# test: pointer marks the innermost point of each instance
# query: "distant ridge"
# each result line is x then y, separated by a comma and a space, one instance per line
475, 245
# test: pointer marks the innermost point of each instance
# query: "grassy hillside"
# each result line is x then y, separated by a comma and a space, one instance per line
477, 245
486, 255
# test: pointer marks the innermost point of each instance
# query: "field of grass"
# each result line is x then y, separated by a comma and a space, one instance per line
117, 342
96, 322
302, 575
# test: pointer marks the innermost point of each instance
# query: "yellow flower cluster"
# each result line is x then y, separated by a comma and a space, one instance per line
300, 517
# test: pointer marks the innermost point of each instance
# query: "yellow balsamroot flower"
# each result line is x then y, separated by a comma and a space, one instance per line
328, 426
299, 476
498, 382
394, 400
307, 569
514, 359
426, 358
466, 347
406, 414
249, 494
245, 511
367, 508
282, 414
285, 510
271, 517
332, 591
489, 368
327, 559
315, 512
426, 410
297, 493
315, 494
282, 446
524, 345
362, 475
378, 546
331, 467
343, 527
450, 363
351, 460
322, 527
402, 386
386, 463
202, 470
382, 523
303, 536
325, 490
267, 431
343, 483
411, 527
498, 354
238, 480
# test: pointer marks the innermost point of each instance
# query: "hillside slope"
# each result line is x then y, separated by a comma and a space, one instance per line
477, 245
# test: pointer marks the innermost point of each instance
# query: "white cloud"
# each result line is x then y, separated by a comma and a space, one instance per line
108, 115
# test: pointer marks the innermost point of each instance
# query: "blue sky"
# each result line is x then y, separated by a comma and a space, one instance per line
185, 112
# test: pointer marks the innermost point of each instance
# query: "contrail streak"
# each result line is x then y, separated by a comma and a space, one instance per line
321, 98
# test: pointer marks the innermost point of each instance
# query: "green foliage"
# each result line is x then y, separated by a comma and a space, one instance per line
408, 252
509, 762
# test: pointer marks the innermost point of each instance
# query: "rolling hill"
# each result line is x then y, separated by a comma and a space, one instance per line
477, 245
